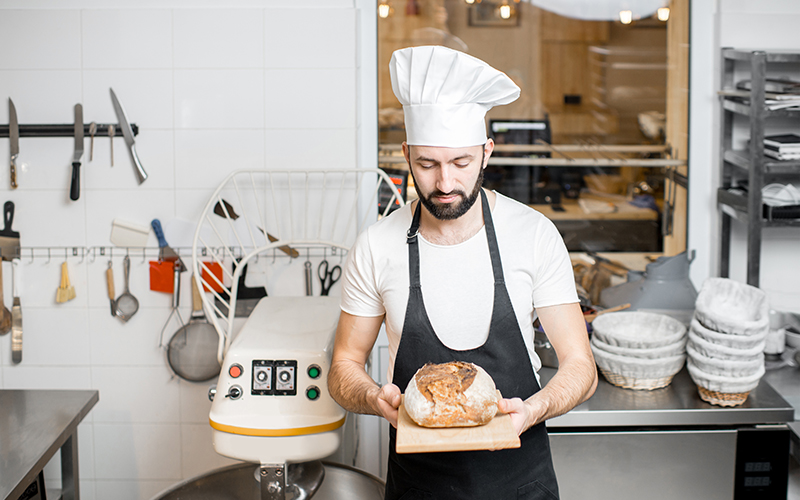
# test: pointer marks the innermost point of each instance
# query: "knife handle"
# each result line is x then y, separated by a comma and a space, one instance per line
75, 186
13, 172
140, 173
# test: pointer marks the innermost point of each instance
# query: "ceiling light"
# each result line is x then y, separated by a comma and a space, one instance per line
505, 11
663, 14
625, 16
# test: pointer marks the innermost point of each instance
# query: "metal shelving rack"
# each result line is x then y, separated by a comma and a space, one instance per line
750, 165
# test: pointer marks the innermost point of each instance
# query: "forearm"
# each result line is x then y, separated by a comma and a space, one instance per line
351, 387
574, 382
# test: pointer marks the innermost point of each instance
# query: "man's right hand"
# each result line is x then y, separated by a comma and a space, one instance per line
387, 401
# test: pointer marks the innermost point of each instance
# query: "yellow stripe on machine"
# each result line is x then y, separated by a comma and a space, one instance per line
296, 431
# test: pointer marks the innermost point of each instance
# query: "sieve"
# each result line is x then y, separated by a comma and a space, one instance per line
192, 350
126, 304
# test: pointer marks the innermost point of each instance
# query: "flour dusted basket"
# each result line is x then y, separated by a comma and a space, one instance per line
638, 350
726, 341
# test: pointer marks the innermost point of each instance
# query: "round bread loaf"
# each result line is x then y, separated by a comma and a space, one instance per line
454, 394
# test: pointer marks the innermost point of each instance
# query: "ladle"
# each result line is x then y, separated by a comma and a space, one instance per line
126, 304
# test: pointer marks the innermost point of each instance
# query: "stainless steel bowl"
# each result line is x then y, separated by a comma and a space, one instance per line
238, 482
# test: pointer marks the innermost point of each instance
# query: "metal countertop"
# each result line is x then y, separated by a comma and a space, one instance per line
678, 404
34, 424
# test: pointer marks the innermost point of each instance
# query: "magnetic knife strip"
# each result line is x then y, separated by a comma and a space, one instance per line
67, 130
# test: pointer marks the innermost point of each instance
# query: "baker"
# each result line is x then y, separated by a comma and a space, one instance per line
458, 276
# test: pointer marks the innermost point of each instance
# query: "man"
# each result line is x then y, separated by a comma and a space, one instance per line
446, 295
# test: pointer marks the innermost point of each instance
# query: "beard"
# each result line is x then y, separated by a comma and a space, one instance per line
453, 210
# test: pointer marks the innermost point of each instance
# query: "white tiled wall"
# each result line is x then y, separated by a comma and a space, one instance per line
213, 88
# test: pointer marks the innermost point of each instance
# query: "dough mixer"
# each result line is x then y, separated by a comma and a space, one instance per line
271, 405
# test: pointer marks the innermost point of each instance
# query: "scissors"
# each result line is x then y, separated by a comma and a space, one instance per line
328, 278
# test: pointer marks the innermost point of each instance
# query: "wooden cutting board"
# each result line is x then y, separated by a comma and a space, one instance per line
496, 435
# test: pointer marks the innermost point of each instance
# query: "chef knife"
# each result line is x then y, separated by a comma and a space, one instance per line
127, 133
75, 186
13, 135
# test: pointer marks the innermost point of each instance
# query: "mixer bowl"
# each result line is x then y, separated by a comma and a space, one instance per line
238, 482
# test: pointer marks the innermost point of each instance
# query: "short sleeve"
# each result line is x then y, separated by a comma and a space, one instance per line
554, 281
360, 295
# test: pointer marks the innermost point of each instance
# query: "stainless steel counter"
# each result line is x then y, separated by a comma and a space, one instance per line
675, 405
34, 425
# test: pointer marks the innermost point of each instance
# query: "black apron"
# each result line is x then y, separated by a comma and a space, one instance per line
525, 472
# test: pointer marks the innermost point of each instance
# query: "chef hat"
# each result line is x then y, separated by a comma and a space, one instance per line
446, 94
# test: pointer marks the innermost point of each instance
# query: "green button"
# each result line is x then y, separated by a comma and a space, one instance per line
312, 393
313, 372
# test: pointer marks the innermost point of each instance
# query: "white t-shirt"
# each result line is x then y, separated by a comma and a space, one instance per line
457, 281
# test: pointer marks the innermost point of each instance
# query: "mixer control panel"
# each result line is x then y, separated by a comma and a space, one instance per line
274, 378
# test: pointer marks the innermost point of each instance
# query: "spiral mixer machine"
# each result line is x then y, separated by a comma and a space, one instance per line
271, 405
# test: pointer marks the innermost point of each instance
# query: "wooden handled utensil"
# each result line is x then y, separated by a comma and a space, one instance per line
5, 314
111, 291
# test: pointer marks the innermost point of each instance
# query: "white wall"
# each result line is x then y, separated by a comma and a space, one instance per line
255, 84
764, 24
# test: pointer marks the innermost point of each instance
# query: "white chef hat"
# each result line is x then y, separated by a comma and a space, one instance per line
446, 94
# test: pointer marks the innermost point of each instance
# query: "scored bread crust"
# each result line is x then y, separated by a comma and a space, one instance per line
454, 394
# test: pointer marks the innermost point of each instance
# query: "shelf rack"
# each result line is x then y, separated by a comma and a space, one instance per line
752, 165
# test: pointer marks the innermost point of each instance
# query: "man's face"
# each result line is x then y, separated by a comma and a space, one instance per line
447, 180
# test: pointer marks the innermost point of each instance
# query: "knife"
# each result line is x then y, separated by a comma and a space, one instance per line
13, 135
127, 133
75, 187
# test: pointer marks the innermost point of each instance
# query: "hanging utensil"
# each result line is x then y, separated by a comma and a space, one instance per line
13, 136
5, 314
165, 252
309, 280
75, 185
176, 300
92, 131
110, 285
111, 131
66, 291
328, 278
192, 350
16, 319
226, 211
126, 304
127, 133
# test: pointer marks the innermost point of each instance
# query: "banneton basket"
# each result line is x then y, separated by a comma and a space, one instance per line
643, 352
723, 391
727, 339
637, 373
727, 306
636, 329
720, 351
724, 367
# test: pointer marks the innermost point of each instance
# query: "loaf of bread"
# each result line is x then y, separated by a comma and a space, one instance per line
454, 394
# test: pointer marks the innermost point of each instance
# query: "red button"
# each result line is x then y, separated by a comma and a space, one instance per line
235, 371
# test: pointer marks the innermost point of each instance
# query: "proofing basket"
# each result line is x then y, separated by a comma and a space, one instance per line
662, 352
727, 339
638, 329
727, 306
720, 351
723, 391
637, 373
725, 367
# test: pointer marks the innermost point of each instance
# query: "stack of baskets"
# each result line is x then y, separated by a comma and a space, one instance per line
726, 341
638, 350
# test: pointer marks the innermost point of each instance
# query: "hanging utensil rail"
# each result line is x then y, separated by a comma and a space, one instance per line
65, 130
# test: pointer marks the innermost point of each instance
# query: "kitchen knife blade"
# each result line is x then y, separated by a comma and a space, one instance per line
127, 133
75, 186
13, 135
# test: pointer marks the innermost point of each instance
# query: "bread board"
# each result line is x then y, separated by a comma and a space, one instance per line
498, 434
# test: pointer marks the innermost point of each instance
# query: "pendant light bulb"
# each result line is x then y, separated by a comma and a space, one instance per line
625, 16
469, 2
663, 14
505, 11
385, 9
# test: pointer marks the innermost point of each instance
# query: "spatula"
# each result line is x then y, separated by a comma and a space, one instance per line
166, 253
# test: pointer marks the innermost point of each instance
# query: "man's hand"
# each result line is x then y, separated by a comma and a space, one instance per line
387, 401
522, 415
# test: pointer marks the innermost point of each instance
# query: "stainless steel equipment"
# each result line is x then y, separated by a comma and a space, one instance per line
668, 444
241, 482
